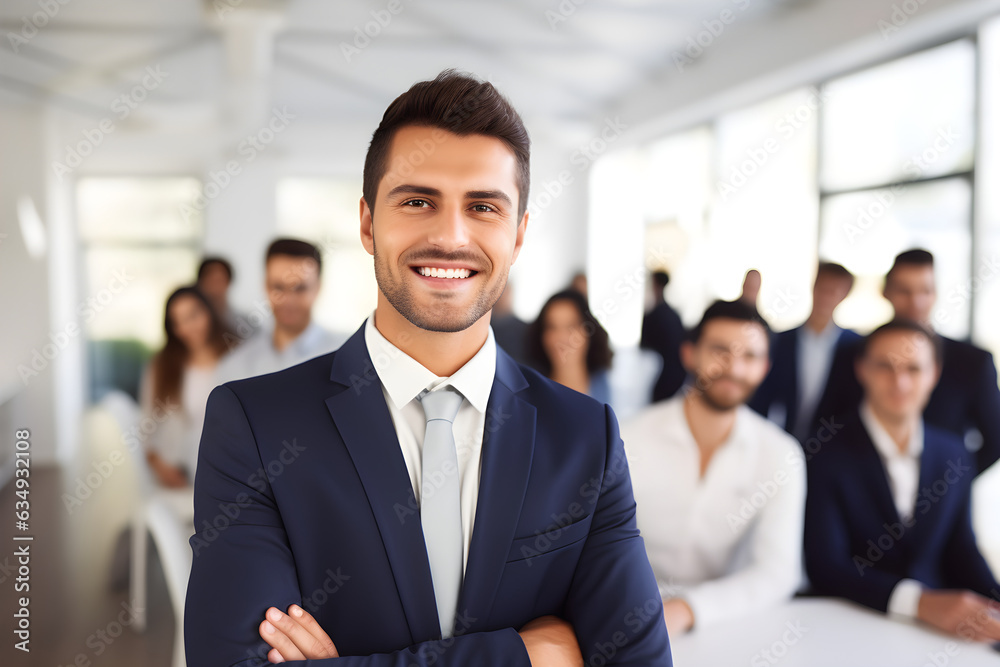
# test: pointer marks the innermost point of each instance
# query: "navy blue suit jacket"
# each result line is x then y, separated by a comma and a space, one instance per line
966, 397
302, 496
781, 386
663, 332
856, 544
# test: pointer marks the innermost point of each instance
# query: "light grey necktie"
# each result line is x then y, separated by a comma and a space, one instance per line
440, 510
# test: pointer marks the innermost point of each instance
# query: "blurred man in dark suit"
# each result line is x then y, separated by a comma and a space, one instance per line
663, 332
966, 400
801, 358
888, 513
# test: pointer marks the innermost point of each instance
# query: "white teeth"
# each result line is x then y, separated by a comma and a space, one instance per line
433, 272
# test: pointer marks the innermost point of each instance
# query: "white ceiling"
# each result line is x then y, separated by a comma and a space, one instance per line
556, 71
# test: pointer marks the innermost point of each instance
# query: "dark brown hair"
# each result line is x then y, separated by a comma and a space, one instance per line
914, 257
729, 310
213, 260
906, 326
167, 365
295, 248
598, 348
457, 103
834, 270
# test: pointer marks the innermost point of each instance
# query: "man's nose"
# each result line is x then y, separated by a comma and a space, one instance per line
449, 229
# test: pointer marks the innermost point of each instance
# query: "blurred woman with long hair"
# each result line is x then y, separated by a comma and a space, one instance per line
570, 346
177, 382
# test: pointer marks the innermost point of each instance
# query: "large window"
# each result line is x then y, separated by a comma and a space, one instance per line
324, 211
897, 149
138, 245
855, 170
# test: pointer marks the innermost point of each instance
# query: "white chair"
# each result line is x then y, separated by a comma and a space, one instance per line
167, 514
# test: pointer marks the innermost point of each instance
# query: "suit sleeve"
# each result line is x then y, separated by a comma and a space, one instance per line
986, 414
832, 567
614, 604
243, 564
962, 563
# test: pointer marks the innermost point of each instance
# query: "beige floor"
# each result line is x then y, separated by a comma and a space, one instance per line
76, 616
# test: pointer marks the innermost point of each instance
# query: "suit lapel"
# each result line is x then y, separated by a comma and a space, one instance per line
876, 477
792, 381
363, 421
508, 444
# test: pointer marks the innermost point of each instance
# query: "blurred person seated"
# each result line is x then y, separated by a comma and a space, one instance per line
888, 515
663, 332
751, 287
801, 358
215, 275
176, 384
292, 279
966, 400
510, 331
567, 344
719, 490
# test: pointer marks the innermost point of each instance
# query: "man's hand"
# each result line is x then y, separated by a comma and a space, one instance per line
167, 475
550, 641
678, 615
295, 636
962, 613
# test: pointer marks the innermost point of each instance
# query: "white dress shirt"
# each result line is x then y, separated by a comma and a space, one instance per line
815, 356
403, 378
903, 472
729, 542
257, 355
178, 430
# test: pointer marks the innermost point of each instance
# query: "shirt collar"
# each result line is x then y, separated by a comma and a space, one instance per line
404, 377
884, 443
827, 335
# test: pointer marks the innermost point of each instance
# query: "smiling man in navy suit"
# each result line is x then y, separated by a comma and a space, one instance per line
888, 510
322, 528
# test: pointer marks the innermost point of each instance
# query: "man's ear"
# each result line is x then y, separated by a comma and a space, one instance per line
860, 372
519, 238
367, 229
687, 356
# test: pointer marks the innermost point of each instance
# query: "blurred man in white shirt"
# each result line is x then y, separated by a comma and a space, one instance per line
720, 491
292, 280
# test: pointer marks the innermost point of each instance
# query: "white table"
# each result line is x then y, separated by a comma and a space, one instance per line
816, 632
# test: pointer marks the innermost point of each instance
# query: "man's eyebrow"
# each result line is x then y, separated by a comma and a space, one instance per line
413, 190
489, 194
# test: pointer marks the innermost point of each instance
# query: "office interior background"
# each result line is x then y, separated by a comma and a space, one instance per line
702, 137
